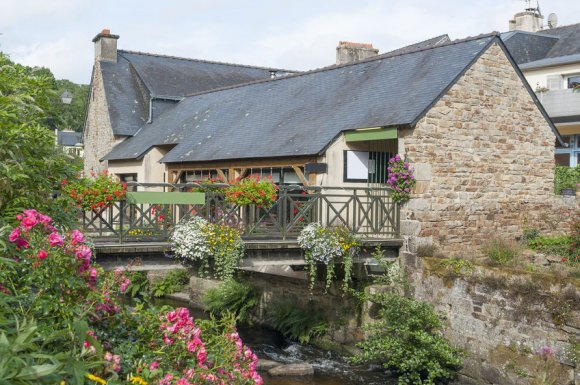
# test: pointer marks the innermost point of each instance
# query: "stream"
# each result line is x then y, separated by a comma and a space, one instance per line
329, 368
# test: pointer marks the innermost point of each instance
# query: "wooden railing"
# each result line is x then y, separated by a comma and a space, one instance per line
368, 212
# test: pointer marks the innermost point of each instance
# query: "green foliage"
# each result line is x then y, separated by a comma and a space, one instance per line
530, 233
427, 251
298, 324
458, 266
231, 298
554, 245
575, 241
566, 177
20, 361
407, 338
173, 282
139, 286
502, 252
573, 351
31, 167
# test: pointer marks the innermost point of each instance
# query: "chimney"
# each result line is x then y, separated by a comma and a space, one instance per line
106, 46
347, 52
531, 20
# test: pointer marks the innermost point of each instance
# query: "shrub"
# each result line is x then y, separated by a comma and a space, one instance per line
328, 246
253, 190
173, 282
502, 252
575, 241
554, 245
233, 298
401, 179
566, 177
298, 324
95, 192
197, 240
407, 339
82, 333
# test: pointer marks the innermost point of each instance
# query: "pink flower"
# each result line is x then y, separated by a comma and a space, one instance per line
93, 275
124, 285
21, 242
42, 254
77, 237
44, 218
14, 234
55, 239
201, 356
182, 381
83, 252
108, 356
117, 359
28, 223
154, 365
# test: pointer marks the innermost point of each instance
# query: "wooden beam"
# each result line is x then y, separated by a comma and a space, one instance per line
231, 174
221, 175
244, 163
243, 172
301, 176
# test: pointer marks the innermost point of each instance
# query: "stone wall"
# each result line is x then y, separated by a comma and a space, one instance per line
484, 160
334, 306
501, 318
98, 134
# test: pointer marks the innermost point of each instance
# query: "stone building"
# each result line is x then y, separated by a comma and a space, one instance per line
459, 111
549, 57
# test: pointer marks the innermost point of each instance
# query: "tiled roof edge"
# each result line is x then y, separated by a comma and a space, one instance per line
334, 66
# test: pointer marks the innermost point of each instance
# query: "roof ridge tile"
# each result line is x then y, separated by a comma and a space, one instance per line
201, 60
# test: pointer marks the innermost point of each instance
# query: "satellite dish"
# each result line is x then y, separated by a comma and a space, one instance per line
552, 20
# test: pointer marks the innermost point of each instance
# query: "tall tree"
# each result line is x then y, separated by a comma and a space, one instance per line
31, 167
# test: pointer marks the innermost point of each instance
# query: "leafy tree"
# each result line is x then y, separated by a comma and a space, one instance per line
31, 167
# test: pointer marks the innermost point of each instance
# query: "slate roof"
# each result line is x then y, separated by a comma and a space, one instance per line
68, 138
527, 47
137, 77
434, 41
301, 114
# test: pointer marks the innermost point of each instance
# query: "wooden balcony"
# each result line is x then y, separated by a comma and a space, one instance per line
368, 212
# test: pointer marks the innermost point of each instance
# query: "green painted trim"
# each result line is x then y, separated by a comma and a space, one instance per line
166, 197
371, 134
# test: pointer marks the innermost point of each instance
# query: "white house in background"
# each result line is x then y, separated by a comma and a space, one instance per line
549, 57
70, 141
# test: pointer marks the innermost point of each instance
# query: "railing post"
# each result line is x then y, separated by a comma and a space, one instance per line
121, 221
283, 219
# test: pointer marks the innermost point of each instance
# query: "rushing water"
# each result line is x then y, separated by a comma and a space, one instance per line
329, 368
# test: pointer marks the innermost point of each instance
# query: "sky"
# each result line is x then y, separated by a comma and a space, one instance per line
290, 34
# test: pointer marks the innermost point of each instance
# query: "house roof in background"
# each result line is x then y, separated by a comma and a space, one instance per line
137, 77
527, 47
301, 114
68, 138
434, 41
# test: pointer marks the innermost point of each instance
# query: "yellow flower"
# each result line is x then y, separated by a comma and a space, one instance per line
62, 382
137, 380
96, 379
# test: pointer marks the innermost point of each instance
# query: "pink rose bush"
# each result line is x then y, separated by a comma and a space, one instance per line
192, 352
47, 274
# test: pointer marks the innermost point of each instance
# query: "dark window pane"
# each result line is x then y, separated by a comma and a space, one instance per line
573, 81
562, 159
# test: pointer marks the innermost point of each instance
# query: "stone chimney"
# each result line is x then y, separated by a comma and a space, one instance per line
531, 20
347, 52
106, 46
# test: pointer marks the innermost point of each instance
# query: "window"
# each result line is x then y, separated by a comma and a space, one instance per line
366, 166
574, 81
129, 178
568, 156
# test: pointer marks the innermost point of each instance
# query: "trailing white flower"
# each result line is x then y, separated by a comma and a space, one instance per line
328, 246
